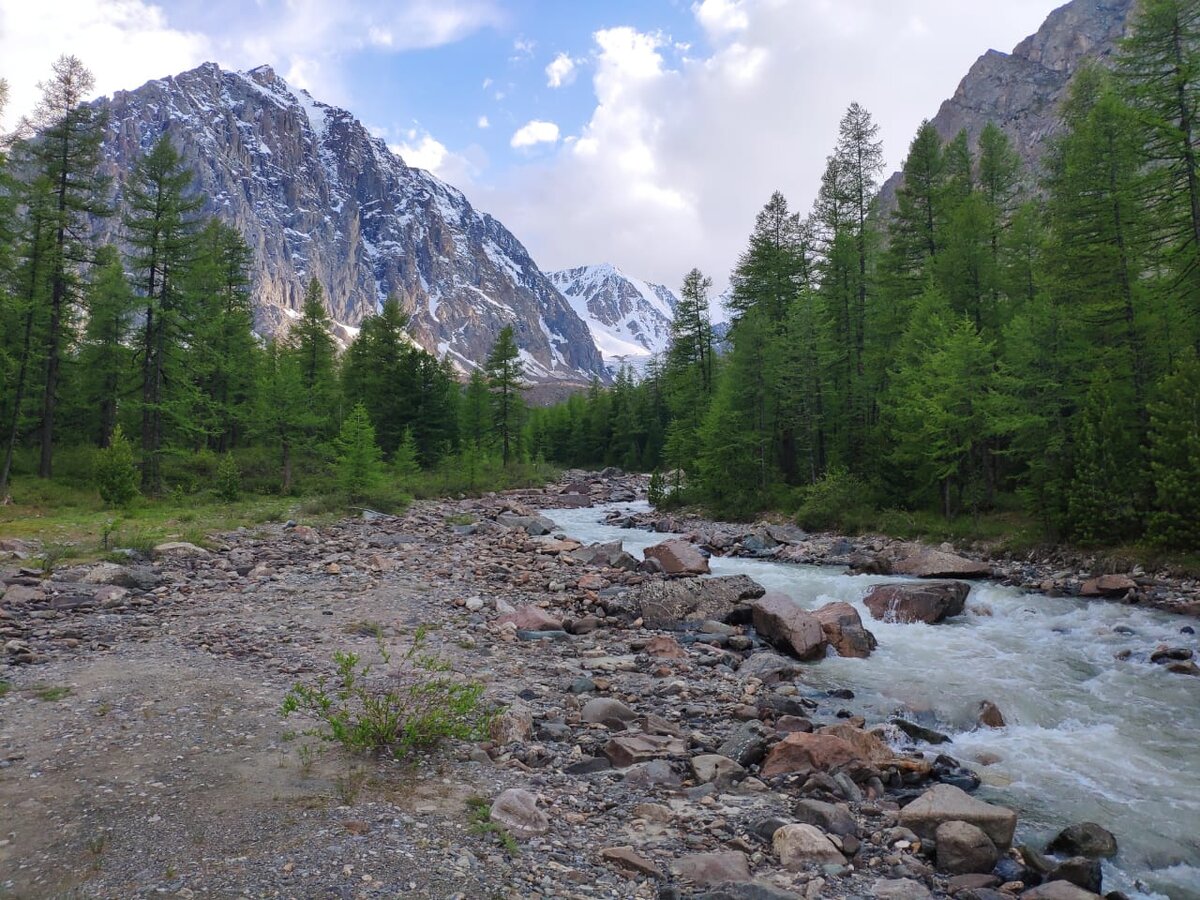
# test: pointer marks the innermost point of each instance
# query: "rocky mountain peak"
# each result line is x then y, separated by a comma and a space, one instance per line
316, 196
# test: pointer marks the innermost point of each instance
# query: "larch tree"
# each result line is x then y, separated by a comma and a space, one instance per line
504, 374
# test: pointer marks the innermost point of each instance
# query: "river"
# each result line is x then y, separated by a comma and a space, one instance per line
1089, 738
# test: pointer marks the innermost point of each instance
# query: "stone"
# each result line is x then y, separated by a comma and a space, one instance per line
946, 803
1084, 839
833, 818
627, 749
629, 859
610, 555
714, 768
747, 745
800, 845
926, 562
516, 811
535, 526
990, 715
667, 604
785, 623
179, 550
1107, 586
109, 573
531, 618
963, 849
747, 890
899, 889
655, 773
1079, 871
605, 709
844, 630
712, 868
1058, 890
971, 882
807, 753
769, 667
908, 602
591, 583
515, 724
867, 744
664, 646
678, 558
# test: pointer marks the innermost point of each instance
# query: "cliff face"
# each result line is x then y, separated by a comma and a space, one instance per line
1021, 91
316, 196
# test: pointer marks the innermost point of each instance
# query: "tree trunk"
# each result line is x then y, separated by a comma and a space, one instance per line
19, 397
286, 480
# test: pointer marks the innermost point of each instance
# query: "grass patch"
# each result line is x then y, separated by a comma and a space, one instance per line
5, 687
365, 629
479, 812
52, 694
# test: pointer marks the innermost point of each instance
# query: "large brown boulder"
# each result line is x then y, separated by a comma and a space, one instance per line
964, 849
926, 562
916, 602
807, 753
788, 626
665, 604
946, 803
844, 630
678, 558
1108, 586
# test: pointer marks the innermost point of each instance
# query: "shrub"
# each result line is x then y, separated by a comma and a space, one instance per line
228, 484
115, 475
416, 706
656, 493
839, 501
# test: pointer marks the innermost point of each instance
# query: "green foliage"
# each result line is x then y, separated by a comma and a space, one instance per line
657, 491
115, 473
504, 374
838, 502
1175, 460
415, 706
359, 461
228, 482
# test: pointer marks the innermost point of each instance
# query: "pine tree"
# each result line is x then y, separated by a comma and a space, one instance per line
105, 359
382, 372
284, 416
312, 340
159, 226
1104, 496
504, 374
359, 459
1175, 459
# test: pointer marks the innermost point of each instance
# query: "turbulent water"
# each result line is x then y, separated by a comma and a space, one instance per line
1089, 738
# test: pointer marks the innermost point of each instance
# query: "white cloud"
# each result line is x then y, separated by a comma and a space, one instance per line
523, 49
685, 145
534, 132
483, 122
123, 42
561, 71
420, 149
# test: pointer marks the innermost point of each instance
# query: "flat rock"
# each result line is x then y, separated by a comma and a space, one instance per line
789, 626
516, 811
665, 604
910, 602
1058, 890
712, 767
801, 845
1107, 586
946, 803
531, 618
899, 889
606, 709
712, 868
926, 562
629, 859
807, 753
833, 818
627, 749
678, 558
179, 550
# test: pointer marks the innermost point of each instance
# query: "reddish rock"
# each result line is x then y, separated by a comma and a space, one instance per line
1108, 586
629, 859
591, 583
867, 744
990, 715
806, 753
929, 603
678, 558
789, 626
665, 647
844, 630
531, 618
627, 749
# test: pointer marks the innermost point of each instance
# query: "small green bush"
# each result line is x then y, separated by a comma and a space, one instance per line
417, 706
114, 473
838, 502
228, 483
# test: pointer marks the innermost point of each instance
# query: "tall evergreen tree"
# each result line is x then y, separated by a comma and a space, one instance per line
313, 342
105, 359
504, 374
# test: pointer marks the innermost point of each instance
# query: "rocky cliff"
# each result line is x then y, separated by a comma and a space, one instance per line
1021, 91
315, 195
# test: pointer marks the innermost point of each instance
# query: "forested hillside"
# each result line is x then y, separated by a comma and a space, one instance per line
981, 344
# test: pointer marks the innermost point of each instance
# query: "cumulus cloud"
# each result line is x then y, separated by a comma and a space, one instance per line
561, 71
533, 133
685, 144
482, 122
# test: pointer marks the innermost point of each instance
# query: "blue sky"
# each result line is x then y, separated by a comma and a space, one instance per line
645, 134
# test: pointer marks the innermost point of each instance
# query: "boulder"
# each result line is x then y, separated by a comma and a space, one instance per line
574, 501
712, 767
1079, 871
606, 709
516, 811
531, 618
964, 849
535, 526
909, 602
667, 604
899, 889
867, 744
769, 667
664, 646
844, 630
513, 725
610, 555
789, 626
712, 868
1108, 586
627, 749
1084, 839
678, 558
926, 562
946, 803
1058, 890
807, 753
179, 550
747, 745
629, 859
990, 715
804, 845
834, 818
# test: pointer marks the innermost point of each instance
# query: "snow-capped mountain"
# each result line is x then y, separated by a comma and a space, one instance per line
315, 195
630, 319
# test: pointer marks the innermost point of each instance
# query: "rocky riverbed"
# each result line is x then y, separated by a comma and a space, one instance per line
659, 738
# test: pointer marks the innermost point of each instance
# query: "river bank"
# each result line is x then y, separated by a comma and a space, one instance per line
141, 742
